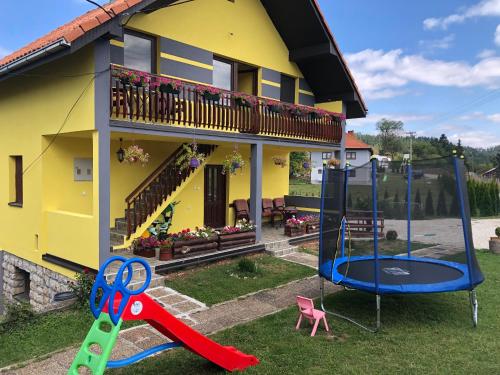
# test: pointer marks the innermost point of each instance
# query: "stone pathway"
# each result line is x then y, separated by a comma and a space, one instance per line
302, 258
194, 313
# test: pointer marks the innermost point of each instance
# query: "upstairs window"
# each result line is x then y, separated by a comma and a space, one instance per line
350, 155
139, 52
287, 91
16, 180
223, 75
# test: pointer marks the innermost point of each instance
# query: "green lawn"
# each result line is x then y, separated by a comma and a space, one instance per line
421, 334
305, 190
221, 282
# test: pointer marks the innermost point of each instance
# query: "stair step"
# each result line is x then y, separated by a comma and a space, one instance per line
121, 224
277, 245
282, 252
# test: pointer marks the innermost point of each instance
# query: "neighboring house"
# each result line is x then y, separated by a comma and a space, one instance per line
357, 153
491, 173
66, 198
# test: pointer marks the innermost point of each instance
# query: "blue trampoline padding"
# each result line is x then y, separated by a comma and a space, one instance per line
455, 275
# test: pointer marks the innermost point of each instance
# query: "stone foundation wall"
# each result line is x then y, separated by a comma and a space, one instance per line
44, 283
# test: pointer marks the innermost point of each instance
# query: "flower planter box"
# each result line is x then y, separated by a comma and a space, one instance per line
312, 227
232, 240
196, 246
149, 252
495, 245
294, 231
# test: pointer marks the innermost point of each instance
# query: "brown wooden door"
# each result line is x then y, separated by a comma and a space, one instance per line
215, 196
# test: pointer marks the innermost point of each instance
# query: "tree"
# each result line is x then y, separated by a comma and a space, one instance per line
396, 207
390, 136
441, 209
297, 160
471, 188
429, 204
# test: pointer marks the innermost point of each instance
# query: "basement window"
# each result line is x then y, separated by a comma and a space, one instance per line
22, 285
16, 181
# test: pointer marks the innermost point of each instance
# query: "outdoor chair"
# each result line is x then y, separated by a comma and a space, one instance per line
287, 211
307, 311
241, 210
268, 210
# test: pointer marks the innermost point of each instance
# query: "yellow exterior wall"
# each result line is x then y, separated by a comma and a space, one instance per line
240, 30
331, 106
31, 108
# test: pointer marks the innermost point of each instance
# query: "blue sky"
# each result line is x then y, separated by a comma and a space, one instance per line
433, 64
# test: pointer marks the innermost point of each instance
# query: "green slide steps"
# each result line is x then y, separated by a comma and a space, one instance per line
104, 338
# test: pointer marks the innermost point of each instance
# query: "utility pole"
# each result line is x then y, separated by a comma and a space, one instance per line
411, 135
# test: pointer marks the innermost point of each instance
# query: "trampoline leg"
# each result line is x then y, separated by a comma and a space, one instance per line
378, 312
473, 305
322, 299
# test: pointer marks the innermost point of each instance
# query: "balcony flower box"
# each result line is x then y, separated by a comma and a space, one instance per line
169, 88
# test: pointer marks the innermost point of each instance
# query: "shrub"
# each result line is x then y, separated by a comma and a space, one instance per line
82, 286
429, 204
391, 235
17, 313
441, 210
497, 231
246, 265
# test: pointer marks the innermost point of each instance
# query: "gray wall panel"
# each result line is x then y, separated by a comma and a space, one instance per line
271, 75
303, 85
305, 99
176, 48
185, 71
117, 55
271, 91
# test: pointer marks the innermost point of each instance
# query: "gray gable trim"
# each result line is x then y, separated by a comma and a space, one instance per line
186, 51
271, 75
271, 91
185, 71
305, 99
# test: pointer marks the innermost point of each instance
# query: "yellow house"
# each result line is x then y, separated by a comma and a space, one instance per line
259, 77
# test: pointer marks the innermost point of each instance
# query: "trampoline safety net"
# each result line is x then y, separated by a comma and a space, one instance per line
398, 228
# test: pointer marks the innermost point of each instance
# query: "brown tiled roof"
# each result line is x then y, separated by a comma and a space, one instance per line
352, 142
73, 29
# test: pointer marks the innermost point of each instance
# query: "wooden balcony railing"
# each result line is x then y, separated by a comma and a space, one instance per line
148, 101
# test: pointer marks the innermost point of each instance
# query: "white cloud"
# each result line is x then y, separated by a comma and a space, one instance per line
486, 53
485, 8
497, 36
494, 117
436, 44
480, 116
383, 74
4, 52
476, 138
372, 119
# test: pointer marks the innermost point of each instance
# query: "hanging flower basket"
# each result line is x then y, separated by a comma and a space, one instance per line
296, 111
306, 165
333, 163
245, 101
280, 161
140, 80
170, 87
209, 93
135, 154
190, 158
232, 163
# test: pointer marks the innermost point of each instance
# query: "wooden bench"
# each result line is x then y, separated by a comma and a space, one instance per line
361, 224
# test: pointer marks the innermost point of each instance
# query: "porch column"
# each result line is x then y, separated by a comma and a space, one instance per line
256, 187
102, 61
342, 142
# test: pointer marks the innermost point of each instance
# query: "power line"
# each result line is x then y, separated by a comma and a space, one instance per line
68, 115
111, 15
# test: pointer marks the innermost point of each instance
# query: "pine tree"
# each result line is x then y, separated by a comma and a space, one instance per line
387, 206
429, 205
396, 207
454, 207
471, 188
441, 205
417, 208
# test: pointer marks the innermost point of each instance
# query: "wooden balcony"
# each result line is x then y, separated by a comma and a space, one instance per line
140, 97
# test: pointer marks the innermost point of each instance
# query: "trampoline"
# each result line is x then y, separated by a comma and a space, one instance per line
425, 203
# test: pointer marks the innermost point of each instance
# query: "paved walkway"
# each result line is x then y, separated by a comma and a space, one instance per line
205, 320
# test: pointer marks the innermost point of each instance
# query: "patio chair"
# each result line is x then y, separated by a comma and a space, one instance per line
268, 210
307, 311
241, 210
287, 211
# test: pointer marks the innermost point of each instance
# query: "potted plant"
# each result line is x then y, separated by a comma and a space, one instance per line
209, 93
166, 249
135, 154
280, 161
317, 113
296, 111
146, 246
191, 158
187, 242
243, 233
232, 163
125, 76
140, 80
243, 100
170, 86
333, 163
306, 165
295, 227
495, 242
338, 116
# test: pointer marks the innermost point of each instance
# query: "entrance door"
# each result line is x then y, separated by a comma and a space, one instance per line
215, 196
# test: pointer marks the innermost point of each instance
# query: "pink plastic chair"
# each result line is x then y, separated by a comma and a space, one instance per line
307, 310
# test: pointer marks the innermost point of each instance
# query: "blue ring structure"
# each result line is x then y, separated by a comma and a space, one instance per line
414, 286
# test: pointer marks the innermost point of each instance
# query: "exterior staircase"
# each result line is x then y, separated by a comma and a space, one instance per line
145, 200
280, 248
